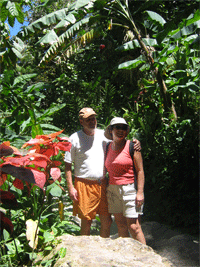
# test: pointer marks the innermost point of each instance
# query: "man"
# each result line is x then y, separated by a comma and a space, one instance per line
89, 190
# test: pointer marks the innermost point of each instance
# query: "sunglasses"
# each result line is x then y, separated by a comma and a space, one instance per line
121, 127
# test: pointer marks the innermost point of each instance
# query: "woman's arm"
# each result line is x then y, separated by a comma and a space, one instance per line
138, 162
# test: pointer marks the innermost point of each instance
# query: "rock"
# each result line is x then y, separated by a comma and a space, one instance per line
90, 251
180, 249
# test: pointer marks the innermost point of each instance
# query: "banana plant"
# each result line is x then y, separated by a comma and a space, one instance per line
10, 51
60, 29
69, 29
66, 30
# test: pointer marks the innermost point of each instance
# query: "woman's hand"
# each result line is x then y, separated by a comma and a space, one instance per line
139, 201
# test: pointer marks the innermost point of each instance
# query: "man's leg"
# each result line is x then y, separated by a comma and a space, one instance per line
121, 225
85, 226
106, 222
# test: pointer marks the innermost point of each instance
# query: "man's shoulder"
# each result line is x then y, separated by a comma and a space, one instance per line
100, 132
75, 135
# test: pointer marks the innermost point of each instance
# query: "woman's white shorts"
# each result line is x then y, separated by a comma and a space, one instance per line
121, 199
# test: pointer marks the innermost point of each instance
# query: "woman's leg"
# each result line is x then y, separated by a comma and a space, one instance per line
121, 225
135, 229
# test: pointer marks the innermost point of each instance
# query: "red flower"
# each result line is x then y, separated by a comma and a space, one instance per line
101, 47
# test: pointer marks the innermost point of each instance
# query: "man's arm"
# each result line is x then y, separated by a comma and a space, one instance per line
72, 191
137, 145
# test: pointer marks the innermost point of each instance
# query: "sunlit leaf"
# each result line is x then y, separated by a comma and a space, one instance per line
64, 138
135, 44
55, 173
6, 234
49, 136
36, 141
32, 233
62, 252
56, 191
64, 146
36, 129
48, 237
132, 63
49, 38
39, 177
155, 16
24, 78
12, 8
17, 53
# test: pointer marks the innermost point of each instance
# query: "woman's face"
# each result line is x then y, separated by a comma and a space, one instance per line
119, 131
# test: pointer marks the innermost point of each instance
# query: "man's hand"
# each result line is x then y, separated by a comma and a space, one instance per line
137, 145
73, 194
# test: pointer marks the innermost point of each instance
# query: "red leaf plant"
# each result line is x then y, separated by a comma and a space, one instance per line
8, 199
18, 184
33, 166
5, 223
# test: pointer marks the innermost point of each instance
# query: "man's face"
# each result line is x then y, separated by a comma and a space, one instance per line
89, 123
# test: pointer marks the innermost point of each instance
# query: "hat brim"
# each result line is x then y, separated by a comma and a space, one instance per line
108, 133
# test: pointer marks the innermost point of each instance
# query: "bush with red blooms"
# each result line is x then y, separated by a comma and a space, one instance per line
30, 167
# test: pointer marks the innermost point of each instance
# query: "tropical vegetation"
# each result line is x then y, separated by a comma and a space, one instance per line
136, 59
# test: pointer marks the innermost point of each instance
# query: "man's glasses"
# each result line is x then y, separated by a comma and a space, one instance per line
121, 127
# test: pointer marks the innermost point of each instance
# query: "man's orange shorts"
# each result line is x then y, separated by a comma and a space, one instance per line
92, 199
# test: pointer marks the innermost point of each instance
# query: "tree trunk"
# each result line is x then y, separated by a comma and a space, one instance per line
168, 105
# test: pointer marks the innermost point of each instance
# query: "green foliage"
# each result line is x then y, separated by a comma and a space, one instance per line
21, 112
11, 10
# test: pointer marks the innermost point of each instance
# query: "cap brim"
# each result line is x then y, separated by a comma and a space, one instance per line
85, 116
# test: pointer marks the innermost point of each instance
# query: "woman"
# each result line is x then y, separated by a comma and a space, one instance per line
123, 200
